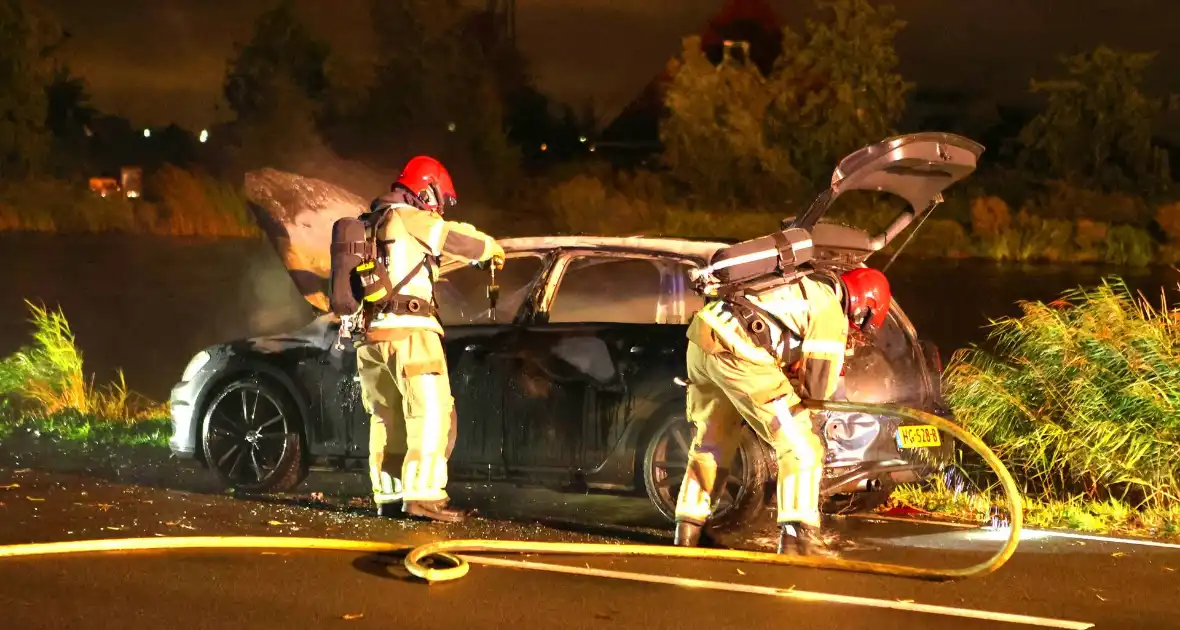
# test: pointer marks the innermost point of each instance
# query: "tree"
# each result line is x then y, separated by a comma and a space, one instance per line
712, 131
27, 39
837, 89
69, 117
1097, 126
734, 134
440, 87
276, 84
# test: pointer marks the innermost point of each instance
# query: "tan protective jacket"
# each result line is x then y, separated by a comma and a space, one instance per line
413, 241
815, 318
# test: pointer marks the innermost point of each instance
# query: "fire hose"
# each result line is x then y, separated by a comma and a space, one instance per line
419, 558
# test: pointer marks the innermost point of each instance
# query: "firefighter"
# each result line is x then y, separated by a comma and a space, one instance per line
401, 364
741, 370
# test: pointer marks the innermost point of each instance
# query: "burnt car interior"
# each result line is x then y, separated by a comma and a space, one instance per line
641, 290
462, 291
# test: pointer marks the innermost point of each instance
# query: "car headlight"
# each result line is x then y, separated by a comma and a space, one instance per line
194, 365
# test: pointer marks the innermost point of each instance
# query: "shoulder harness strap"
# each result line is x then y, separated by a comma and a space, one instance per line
756, 321
382, 217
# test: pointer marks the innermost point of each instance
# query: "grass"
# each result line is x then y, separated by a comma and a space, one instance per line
1110, 516
44, 390
1080, 398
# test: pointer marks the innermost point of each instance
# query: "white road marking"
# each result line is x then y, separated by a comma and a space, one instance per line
807, 596
1035, 533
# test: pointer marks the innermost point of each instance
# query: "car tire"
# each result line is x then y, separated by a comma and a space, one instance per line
252, 437
665, 460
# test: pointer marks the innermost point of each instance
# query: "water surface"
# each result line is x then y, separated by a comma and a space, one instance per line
147, 304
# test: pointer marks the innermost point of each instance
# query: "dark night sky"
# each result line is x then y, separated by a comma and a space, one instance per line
159, 61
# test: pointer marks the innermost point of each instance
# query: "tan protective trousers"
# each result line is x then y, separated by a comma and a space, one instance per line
407, 392
723, 389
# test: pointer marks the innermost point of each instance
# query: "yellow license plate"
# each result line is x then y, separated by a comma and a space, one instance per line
919, 436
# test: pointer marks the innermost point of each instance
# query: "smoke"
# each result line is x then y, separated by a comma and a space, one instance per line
269, 298
361, 179
371, 179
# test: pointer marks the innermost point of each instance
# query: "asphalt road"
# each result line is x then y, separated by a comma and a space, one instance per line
1058, 581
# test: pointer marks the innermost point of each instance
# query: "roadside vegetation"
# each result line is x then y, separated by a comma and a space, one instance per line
1080, 398
44, 391
746, 133
177, 203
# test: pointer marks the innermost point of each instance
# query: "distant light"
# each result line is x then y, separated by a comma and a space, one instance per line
130, 194
544, 146
582, 139
147, 133
204, 135
450, 126
592, 148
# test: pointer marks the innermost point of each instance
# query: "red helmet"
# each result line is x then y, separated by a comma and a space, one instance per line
866, 298
428, 178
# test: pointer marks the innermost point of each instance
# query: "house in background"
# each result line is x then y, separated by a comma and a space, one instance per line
633, 132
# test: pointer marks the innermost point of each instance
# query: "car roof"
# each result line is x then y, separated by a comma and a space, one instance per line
697, 249
827, 235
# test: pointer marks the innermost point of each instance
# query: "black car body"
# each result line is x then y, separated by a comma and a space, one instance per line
571, 377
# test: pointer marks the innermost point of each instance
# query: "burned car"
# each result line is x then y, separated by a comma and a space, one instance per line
570, 377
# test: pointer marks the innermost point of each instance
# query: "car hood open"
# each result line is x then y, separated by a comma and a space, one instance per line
916, 167
296, 213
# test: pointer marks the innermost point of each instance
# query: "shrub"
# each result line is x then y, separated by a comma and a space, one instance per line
191, 205
938, 238
584, 205
1043, 239
1169, 255
990, 217
1079, 397
1129, 245
47, 377
724, 225
55, 206
1168, 218
1063, 201
186, 205
1090, 240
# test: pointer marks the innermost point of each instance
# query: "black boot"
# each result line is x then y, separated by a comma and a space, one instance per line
688, 534
804, 540
388, 509
433, 511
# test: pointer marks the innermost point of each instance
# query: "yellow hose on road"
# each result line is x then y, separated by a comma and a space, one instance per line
172, 543
414, 561
448, 550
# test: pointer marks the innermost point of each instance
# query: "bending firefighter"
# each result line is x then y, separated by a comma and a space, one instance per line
744, 352
401, 364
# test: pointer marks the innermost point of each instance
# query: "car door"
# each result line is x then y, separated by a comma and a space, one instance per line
603, 322
472, 332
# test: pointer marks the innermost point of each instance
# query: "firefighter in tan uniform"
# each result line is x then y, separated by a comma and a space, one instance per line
402, 367
735, 374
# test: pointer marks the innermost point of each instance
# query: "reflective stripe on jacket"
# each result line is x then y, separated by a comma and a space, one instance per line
817, 327
414, 240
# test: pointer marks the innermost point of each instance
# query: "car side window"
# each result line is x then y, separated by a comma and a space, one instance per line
462, 292
626, 290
